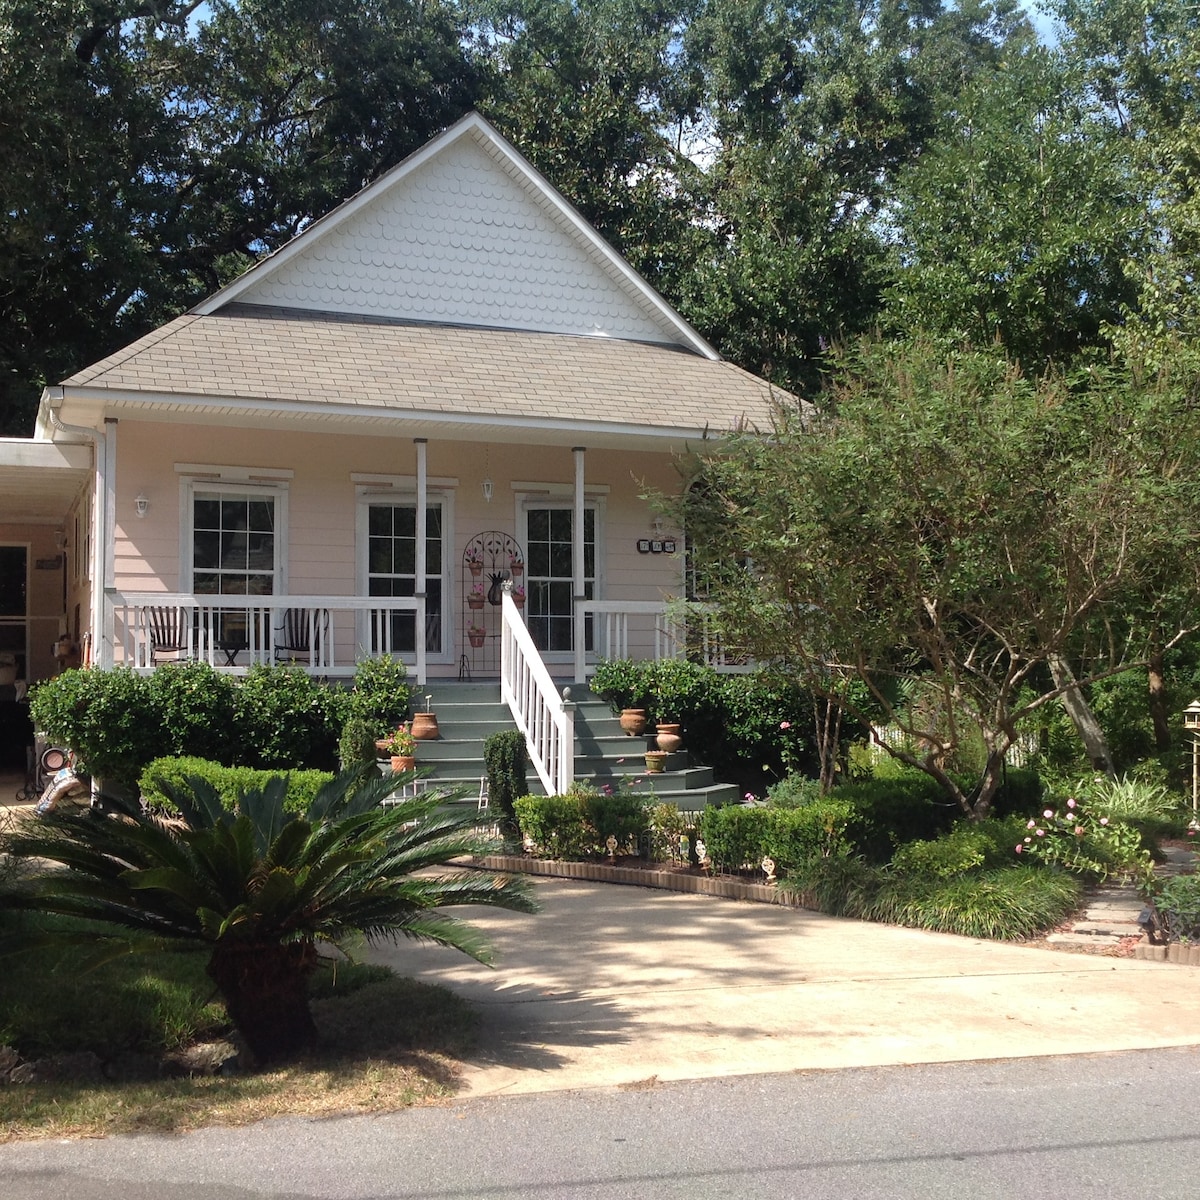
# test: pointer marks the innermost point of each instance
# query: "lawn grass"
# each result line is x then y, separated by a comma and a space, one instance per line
386, 1043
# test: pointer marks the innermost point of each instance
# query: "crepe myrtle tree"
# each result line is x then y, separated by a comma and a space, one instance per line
944, 531
262, 889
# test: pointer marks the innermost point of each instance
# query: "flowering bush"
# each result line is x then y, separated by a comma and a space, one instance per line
1086, 844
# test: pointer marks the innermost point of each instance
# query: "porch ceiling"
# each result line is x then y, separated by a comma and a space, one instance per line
40, 480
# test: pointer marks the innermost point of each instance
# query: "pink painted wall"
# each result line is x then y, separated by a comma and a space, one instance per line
321, 551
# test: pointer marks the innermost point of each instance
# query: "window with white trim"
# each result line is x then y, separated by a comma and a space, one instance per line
391, 568
549, 578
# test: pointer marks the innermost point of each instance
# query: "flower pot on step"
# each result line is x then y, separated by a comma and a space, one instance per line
668, 737
425, 726
633, 721
655, 761
403, 762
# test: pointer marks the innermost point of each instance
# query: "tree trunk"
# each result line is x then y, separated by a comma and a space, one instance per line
1155, 677
1095, 744
265, 989
828, 725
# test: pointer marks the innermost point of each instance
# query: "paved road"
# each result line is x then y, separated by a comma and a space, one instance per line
1112, 1126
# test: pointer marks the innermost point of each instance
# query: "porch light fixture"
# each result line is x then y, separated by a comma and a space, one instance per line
140, 504
487, 490
487, 474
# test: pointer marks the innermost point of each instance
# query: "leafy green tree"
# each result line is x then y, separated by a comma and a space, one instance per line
153, 148
1017, 224
944, 530
263, 890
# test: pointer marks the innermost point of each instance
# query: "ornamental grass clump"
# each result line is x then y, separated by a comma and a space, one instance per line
1081, 840
262, 889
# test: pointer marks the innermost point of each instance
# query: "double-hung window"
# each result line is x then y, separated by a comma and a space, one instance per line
391, 570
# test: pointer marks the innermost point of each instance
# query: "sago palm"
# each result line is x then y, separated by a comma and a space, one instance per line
263, 889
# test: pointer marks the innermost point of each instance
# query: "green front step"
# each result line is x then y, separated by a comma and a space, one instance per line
468, 713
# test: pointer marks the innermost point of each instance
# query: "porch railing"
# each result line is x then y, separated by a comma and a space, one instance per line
540, 713
649, 629
235, 632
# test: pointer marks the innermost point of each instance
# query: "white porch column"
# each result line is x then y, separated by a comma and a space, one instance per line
577, 569
106, 523
422, 445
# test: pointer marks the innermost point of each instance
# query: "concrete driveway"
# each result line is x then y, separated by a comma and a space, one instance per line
623, 986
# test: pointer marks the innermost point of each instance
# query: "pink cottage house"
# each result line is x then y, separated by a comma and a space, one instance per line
455, 351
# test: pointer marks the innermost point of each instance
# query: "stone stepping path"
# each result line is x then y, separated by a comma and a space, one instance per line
1111, 910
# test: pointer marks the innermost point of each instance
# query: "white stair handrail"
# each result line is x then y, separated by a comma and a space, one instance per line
540, 713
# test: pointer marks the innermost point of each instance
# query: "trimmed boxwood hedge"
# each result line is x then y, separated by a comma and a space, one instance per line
738, 836
229, 782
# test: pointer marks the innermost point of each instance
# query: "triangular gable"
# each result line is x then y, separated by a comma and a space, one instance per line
464, 232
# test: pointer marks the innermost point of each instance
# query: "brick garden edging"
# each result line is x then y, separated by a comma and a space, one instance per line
1176, 952
670, 881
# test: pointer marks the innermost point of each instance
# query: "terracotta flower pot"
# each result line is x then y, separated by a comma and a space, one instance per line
655, 761
474, 601
668, 737
425, 726
475, 568
403, 762
476, 639
633, 721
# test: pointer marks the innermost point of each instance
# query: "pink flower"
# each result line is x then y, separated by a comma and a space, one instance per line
1070, 803
1028, 840
1019, 847
1041, 833
785, 724
749, 796
1103, 820
1048, 814
1031, 825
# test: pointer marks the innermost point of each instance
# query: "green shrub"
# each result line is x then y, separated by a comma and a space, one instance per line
357, 744
555, 826
285, 718
196, 705
106, 717
380, 694
667, 828
1177, 905
890, 812
621, 814
743, 726
1009, 903
964, 848
1079, 839
229, 782
794, 791
737, 836
505, 758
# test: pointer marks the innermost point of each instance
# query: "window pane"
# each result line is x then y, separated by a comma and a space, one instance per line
261, 515
233, 514
206, 550
207, 514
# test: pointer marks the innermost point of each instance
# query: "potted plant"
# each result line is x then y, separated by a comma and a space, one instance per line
474, 560
516, 565
402, 747
518, 596
475, 595
476, 635
655, 761
425, 724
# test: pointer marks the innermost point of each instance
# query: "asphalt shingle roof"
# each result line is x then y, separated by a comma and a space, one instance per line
275, 355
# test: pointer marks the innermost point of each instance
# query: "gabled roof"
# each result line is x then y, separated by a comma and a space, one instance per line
251, 364
465, 231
